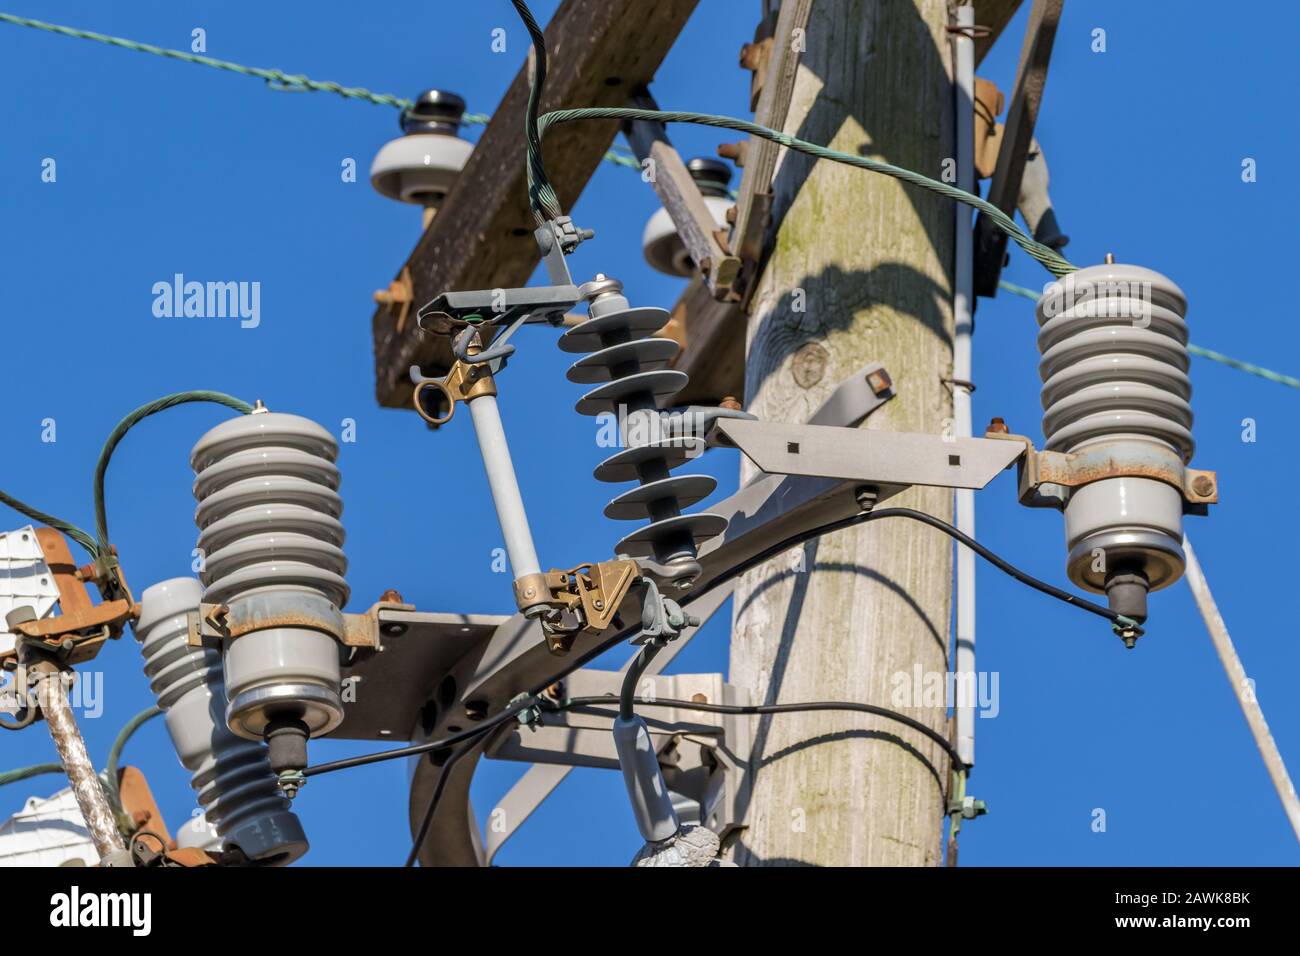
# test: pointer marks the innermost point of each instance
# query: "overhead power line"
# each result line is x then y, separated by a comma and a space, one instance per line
275, 79
1210, 354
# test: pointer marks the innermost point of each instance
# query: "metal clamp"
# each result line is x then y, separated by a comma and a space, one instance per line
79, 630
215, 623
1039, 470
435, 398
592, 593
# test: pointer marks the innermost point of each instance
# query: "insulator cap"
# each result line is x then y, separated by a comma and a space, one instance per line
434, 111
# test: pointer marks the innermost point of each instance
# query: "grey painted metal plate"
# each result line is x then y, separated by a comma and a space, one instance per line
395, 683
872, 457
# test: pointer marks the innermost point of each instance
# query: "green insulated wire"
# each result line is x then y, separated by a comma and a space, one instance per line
533, 131
1210, 354
115, 753
127, 423
40, 517
547, 205
98, 545
24, 773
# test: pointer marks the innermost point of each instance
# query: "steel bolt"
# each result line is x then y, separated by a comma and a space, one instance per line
1203, 485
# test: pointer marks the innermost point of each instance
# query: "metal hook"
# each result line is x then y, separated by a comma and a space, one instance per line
496, 353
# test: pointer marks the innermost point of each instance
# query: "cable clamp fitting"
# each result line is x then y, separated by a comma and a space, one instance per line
1127, 629
566, 235
968, 808
290, 782
530, 716
662, 619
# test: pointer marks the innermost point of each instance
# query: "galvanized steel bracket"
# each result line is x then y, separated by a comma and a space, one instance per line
875, 458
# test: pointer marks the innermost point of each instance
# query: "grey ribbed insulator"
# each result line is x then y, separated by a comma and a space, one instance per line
268, 516
231, 776
1114, 370
627, 365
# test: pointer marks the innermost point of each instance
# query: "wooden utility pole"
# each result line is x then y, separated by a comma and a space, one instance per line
859, 268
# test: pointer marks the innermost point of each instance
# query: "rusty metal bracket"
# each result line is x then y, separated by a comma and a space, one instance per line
368, 630
1037, 470
79, 630
213, 624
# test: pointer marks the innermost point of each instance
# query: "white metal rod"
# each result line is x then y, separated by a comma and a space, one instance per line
1242, 687
76, 764
964, 645
504, 486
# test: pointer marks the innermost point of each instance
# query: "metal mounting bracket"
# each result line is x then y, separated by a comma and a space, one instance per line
212, 624
74, 635
1017, 137
878, 459
698, 751
1042, 476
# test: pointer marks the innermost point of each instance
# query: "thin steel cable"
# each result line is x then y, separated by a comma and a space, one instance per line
1248, 367
285, 81
1242, 688
275, 79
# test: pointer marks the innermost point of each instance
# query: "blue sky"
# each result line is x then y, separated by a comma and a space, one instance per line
166, 168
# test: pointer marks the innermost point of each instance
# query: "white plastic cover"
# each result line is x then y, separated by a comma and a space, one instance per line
25, 579
46, 832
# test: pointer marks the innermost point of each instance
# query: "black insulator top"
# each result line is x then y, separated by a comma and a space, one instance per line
434, 111
712, 175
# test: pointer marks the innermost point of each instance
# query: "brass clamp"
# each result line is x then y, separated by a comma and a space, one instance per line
1039, 470
435, 398
590, 594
